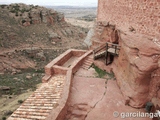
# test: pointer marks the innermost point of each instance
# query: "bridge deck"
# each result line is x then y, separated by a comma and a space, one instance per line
112, 50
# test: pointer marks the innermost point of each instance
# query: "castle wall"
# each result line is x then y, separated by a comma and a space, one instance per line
142, 15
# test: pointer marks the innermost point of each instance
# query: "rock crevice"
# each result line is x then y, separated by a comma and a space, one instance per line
98, 100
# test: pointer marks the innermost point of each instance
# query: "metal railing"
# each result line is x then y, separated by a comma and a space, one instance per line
106, 49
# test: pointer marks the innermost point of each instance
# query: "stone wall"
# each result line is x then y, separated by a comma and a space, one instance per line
141, 15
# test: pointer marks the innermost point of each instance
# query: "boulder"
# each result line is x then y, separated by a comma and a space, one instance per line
53, 36
4, 88
32, 50
69, 32
41, 56
28, 77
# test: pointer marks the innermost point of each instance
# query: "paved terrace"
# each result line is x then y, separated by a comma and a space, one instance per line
72, 91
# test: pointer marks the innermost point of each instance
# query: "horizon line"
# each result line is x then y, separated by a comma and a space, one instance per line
76, 5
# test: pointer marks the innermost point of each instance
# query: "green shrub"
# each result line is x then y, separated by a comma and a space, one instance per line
13, 11
3, 6
20, 101
28, 10
23, 10
23, 21
4, 118
101, 73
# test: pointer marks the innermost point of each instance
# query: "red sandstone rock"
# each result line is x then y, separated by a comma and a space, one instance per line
136, 67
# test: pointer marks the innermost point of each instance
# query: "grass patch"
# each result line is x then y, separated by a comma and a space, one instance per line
101, 73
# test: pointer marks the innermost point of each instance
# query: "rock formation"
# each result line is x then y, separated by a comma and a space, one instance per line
137, 68
34, 14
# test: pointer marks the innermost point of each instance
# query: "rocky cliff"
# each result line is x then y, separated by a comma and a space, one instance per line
30, 14
137, 68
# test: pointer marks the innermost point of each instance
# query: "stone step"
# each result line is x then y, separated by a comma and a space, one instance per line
31, 113
15, 116
85, 63
34, 110
88, 59
45, 97
39, 104
12, 118
85, 67
36, 107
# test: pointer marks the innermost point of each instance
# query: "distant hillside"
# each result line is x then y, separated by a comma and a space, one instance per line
26, 26
30, 37
76, 11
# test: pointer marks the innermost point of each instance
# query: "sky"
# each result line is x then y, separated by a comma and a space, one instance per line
54, 2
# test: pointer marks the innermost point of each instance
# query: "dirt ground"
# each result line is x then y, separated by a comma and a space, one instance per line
8, 104
81, 23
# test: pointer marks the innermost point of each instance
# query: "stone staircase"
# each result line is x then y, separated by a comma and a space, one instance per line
87, 62
39, 105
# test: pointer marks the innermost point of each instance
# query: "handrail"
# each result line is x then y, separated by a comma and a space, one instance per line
113, 44
106, 47
115, 47
99, 48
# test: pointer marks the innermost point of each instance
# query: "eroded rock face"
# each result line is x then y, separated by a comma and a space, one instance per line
137, 68
30, 14
104, 32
